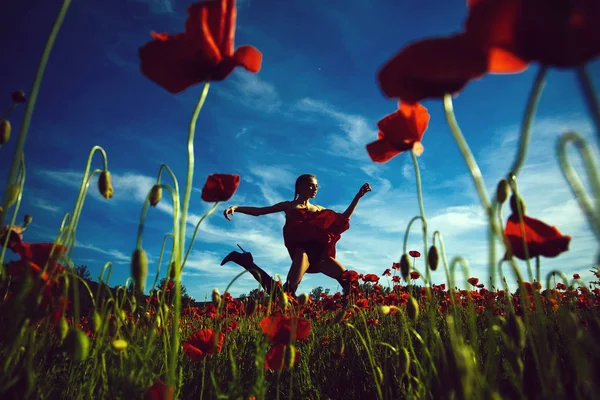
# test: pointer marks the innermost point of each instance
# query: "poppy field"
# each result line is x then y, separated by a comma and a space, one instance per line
392, 335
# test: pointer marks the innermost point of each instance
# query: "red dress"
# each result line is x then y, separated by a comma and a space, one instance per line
315, 232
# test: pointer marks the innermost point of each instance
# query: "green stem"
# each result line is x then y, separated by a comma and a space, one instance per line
21, 177
590, 96
32, 99
213, 208
7, 113
530, 110
172, 365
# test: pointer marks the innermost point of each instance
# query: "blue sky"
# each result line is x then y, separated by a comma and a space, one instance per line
311, 109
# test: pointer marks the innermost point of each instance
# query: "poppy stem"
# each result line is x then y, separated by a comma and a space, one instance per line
172, 365
423, 220
14, 169
530, 110
587, 87
7, 113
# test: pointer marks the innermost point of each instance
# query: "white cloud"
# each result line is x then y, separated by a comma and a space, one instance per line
251, 91
44, 205
116, 256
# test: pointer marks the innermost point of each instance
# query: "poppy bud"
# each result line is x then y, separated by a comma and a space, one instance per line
283, 300
155, 195
119, 345
63, 328
403, 361
515, 329
18, 96
5, 129
513, 204
172, 271
96, 321
105, 185
139, 268
412, 309
216, 297
303, 299
502, 191
433, 258
385, 310
404, 266
79, 345
12, 191
27, 220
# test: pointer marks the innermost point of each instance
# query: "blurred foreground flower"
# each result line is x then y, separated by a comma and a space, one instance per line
220, 187
203, 52
202, 343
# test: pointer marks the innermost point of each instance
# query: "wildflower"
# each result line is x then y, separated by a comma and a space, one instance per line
281, 357
202, 343
473, 281
399, 132
220, 187
414, 275
576, 276
560, 33
542, 239
203, 52
414, 253
280, 329
387, 272
159, 391
370, 278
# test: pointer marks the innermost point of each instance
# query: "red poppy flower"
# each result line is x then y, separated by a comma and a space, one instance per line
158, 391
414, 275
576, 276
203, 52
202, 343
280, 328
395, 265
542, 239
220, 187
275, 358
370, 278
387, 272
350, 275
414, 253
560, 33
430, 68
473, 281
399, 131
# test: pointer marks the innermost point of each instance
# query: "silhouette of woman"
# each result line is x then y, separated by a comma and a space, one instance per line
310, 234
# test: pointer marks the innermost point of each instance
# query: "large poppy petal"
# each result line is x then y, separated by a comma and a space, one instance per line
431, 68
220, 187
248, 57
382, 150
195, 354
542, 239
275, 358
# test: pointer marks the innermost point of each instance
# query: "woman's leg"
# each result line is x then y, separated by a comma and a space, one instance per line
299, 266
245, 260
333, 269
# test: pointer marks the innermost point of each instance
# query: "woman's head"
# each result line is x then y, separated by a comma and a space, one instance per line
306, 186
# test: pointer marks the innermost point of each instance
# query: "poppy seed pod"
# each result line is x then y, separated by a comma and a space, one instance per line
105, 185
404, 266
502, 191
513, 204
433, 258
139, 268
412, 309
96, 322
155, 195
5, 130
385, 310
283, 301
119, 345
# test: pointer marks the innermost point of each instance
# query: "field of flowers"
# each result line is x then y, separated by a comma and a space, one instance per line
391, 336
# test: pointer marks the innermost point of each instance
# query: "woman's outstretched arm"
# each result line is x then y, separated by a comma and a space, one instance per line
363, 190
255, 211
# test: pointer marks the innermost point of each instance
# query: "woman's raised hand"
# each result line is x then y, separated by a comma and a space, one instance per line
229, 211
363, 190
